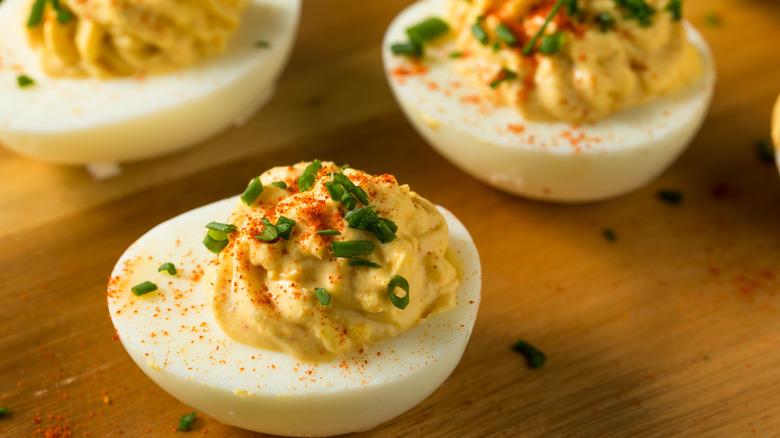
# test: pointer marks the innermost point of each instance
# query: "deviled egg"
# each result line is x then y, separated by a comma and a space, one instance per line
338, 300
101, 89
564, 100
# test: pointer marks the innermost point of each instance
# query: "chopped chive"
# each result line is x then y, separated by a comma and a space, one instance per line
284, 227
479, 32
348, 200
322, 295
24, 81
535, 357
408, 49
383, 232
185, 422
505, 34
4, 410
334, 190
496, 46
427, 30
551, 44
328, 232
670, 196
344, 166
713, 20
504, 75
675, 8
351, 248
36, 13
308, 176
167, 267
280, 184
357, 261
262, 44
359, 217
456, 54
343, 180
638, 10
214, 245
218, 226
765, 152
143, 288
529, 47
390, 224
605, 21
398, 281
252, 191
573, 10
359, 194
269, 232
609, 234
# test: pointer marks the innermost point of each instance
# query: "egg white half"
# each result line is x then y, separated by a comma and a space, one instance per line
173, 337
553, 161
81, 121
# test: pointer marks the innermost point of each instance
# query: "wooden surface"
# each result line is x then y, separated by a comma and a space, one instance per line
671, 330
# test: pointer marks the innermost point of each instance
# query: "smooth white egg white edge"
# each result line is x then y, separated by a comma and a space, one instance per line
483, 146
336, 401
80, 121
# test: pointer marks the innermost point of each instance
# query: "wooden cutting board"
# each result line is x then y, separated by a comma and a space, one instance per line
670, 330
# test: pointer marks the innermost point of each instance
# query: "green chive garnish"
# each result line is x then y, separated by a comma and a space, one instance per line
262, 44
280, 184
269, 232
351, 248
532, 43
675, 8
712, 19
427, 30
24, 81
479, 32
348, 200
357, 261
36, 13
344, 166
551, 44
605, 21
765, 152
334, 190
408, 49
505, 34
252, 191
328, 232
359, 194
322, 295
670, 196
4, 410
284, 227
63, 15
535, 357
219, 226
343, 180
399, 302
185, 422
456, 54
609, 234
383, 232
638, 10
167, 267
214, 245
504, 75
308, 176
143, 288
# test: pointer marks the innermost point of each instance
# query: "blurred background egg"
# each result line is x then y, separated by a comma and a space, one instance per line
551, 161
84, 121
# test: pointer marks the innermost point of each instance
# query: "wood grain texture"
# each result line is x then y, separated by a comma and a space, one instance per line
671, 330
